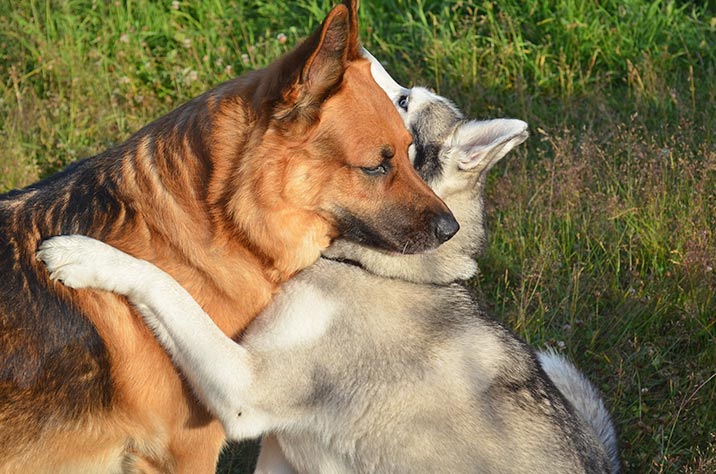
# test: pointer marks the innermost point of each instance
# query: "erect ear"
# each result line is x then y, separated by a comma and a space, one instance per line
354, 48
323, 70
478, 145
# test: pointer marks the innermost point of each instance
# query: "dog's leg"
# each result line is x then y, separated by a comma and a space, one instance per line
83, 262
271, 459
217, 368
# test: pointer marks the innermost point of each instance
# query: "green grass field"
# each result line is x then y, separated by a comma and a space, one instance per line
603, 225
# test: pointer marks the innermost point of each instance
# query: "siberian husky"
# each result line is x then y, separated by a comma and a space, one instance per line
369, 362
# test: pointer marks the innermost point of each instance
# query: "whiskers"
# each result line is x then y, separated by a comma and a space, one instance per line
405, 247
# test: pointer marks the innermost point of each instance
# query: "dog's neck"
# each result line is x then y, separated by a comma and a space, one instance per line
231, 259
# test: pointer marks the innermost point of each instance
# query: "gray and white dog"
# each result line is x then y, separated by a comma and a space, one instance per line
369, 362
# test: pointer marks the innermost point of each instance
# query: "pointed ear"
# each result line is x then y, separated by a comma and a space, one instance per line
323, 70
354, 48
478, 145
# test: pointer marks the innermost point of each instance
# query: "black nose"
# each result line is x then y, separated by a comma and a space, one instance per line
445, 227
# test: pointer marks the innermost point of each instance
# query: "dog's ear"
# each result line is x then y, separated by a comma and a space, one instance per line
310, 73
478, 145
324, 68
354, 48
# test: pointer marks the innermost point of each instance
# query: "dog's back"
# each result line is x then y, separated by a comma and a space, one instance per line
413, 378
44, 337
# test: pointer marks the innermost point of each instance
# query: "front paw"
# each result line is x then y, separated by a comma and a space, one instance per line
83, 262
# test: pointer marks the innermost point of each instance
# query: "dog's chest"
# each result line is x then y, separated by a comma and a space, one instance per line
298, 317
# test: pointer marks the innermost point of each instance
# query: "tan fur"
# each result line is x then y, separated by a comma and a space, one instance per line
231, 194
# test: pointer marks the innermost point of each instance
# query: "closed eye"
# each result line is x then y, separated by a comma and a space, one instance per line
381, 169
387, 153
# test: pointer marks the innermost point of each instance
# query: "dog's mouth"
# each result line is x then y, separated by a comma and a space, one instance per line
396, 235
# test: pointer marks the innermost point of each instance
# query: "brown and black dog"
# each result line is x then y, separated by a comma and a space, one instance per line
232, 193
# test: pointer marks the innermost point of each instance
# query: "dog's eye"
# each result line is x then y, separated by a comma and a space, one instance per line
387, 153
403, 102
375, 170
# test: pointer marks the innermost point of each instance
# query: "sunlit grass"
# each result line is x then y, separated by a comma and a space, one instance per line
602, 224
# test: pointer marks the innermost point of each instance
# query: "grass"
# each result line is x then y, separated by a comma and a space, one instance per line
602, 225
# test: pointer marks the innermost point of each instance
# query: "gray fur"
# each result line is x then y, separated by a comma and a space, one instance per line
584, 397
390, 367
422, 380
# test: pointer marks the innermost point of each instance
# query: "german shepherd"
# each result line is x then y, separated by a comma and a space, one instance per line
384, 367
232, 193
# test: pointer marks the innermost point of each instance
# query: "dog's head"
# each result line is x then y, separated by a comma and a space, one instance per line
453, 155
332, 152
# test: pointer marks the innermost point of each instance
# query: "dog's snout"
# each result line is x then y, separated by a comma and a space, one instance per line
445, 227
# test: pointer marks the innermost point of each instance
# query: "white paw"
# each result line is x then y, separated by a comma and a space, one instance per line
83, 262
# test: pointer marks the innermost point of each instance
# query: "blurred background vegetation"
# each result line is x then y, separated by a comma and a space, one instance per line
602, 225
